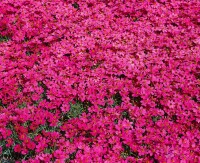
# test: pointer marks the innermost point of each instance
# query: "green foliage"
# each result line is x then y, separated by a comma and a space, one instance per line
126, 115
75, 110
116, 121
155, 118
7, 160
174, 118
135, 101
128, 152
72, 156
2, 105
20, 88
50, 149
7, 152
96, 65
4, 38
26, 39
43, 96
14, 135
30, 154
158, 105
117, 99
29, 53
47, 128
75, 5
121, 76
22, 105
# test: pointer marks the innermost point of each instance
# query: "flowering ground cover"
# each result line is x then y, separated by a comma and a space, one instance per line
100, 81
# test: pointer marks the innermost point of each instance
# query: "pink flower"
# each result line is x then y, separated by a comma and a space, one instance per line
24, 151
44, 157
31, 145
41, 146
130, 68
9, 142
60, 160
65, 108
59, 154
6, 133
17, 148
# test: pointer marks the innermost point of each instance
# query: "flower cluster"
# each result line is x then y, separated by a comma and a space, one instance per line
100, 81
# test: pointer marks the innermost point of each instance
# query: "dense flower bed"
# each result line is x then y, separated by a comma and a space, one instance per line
100, 81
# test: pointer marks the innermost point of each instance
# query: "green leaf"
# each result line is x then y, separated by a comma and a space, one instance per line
4, 38
155, 118
23, 105
75, 5
117, 99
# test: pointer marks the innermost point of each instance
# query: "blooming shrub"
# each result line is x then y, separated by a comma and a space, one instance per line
100, 81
